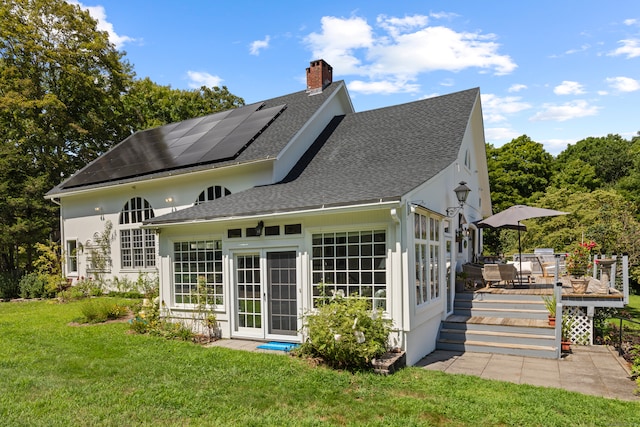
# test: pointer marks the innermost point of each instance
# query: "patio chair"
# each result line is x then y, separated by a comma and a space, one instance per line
526, 271
491, 274
508, 273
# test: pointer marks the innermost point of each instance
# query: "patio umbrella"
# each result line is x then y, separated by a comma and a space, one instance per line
510, 218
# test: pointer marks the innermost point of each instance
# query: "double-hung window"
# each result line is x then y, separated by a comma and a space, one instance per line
137, 245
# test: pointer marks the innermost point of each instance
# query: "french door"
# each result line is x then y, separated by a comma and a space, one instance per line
266, 294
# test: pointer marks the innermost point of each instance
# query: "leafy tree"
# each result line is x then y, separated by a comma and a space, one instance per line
150, 105
519, 172
610, 156
61, 83
576, 176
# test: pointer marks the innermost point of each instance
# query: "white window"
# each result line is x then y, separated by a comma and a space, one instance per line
72, 256
194, 262
350, 263
427, 257
212, 193
137, 246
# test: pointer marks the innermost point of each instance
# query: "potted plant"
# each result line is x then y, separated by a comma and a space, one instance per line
550, 305
579, 265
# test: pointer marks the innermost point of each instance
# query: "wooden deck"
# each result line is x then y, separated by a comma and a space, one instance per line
544, 286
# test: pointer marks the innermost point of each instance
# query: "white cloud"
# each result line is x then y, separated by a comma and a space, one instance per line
198, 79
630, 48
256, 46
99, 14
338, 41
401, 49
383, 87
491, 135
516, 88
582, 48
566, 111
624, 84
630, 21
395, 26
495, 108
568, 88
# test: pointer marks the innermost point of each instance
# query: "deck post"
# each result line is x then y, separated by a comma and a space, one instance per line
557, 291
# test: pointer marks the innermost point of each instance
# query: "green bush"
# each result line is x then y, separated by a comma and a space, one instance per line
9, 285
346, 333
101, 310
33, 285
148, 321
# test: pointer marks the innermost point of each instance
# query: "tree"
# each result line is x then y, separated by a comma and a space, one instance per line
150, 105
61, 83
610, 156
519, 172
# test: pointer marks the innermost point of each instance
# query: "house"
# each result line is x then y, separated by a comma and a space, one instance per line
270, 202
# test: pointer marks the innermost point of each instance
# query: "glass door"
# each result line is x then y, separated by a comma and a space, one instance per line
249, 296
266, 291
282, 293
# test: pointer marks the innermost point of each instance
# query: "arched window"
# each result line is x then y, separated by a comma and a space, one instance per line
212, 193
137, 245
136, 210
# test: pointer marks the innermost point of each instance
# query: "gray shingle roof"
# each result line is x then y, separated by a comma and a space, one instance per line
361, 157
300, 107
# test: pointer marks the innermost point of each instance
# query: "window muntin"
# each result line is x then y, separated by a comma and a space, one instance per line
427, 258
137, 246
212, 193
195, 261
350, 263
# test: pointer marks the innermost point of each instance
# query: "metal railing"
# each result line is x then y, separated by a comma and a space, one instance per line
620, 351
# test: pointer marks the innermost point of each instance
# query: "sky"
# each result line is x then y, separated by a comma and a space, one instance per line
558, 71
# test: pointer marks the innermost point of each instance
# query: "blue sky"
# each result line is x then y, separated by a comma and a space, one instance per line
558, 71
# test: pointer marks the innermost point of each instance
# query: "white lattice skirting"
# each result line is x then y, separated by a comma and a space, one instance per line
582, 325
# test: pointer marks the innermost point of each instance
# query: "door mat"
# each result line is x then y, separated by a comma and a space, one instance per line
280, 346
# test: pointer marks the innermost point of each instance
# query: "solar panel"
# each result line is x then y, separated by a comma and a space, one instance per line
208, 139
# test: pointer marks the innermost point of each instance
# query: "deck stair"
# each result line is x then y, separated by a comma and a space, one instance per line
504, 323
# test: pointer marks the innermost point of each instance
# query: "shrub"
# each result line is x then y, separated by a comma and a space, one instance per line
9, 285
101, 310
148, 321
33, 285
346, 333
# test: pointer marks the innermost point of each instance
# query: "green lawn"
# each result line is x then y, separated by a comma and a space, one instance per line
55, 374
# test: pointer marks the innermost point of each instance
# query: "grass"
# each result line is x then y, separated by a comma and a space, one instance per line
56, 374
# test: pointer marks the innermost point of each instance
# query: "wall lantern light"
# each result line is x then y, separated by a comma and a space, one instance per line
462, 191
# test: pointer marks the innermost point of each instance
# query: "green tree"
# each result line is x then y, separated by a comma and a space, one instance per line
610, 156
519, 172
61, 83
150, 105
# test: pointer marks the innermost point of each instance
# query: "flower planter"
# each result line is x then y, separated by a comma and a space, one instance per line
579, 285
552, 321
565, 346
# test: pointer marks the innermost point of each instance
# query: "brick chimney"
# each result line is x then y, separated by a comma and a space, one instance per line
319, 76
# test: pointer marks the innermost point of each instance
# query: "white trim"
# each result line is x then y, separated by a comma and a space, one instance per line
304, 212
169, 175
